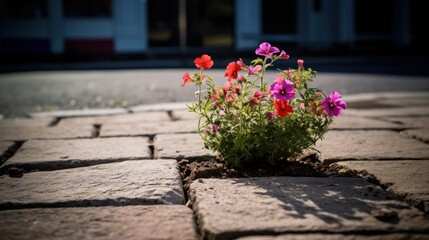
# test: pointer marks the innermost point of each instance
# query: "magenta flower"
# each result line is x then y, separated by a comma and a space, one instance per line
215, 128
270, 115
282, 89
265, 49
333, 104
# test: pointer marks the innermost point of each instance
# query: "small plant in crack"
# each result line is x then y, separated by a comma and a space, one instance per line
251, 120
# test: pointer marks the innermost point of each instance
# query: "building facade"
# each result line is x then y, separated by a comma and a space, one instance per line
149, 26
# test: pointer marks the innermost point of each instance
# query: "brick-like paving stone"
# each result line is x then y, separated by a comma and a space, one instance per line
407, 179
149, 128
390, 112
57, 154
26, 133
123, 183
185, 115
78, 113
397, 236
354, 122
127, 222
410, 122
419, 134
25, 122
160, 107
181, 146
231, 208
133, 118
369, 145
4, 147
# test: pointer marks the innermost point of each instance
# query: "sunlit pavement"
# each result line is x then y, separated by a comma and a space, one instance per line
113, 173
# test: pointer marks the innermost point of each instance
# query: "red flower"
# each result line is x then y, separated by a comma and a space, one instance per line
282, 108
204, 62
232, 71
186, 79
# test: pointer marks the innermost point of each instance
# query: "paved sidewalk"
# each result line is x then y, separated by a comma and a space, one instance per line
114, 174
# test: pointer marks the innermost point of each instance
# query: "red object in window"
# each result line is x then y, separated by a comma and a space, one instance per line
89, 45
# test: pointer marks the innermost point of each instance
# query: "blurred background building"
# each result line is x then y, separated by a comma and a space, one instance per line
155, 27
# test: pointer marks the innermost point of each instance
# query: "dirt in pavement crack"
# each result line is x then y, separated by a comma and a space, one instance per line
96, 129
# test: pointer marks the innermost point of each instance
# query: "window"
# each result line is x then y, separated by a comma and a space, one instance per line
23, 9
87, 8
210, 23
279, 16
163, 18
374, 17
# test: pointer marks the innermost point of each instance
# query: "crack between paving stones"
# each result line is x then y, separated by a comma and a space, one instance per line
152, 148
84, 203
96, 129
54, 122
9, 153
17, 170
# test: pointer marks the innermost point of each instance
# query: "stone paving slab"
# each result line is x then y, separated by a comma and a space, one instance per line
390, 112
369, 145
406, 101
22, 134
79, 113
419, 134
407, 179
25, 122
231, 208
58, 154
4, 147
181, 146
127, 222
131, 118
160, 107
185, 115
148, 128
353, 122
397, 236
123, 183
410, 122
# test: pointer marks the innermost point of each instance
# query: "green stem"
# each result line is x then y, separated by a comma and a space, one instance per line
262, 90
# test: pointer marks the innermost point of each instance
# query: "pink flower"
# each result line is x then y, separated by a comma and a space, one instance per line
241, 79
253, 102
231, 96
258, 94
301, 64
186, 79
333, 104
255, 69
283, 55
241, 63
287, 72
265, 49
282, 89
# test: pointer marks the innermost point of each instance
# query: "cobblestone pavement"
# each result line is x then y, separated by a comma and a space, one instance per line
114, 174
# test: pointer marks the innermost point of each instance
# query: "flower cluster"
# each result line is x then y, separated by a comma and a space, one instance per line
247, 120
